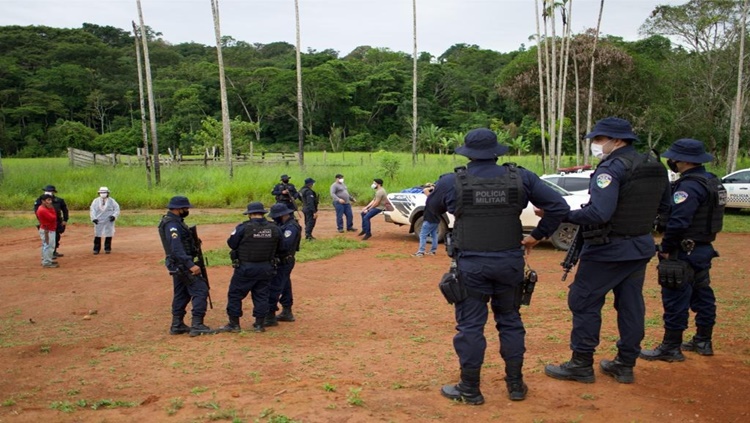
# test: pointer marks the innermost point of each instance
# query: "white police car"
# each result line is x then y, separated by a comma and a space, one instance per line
573, 179
408, 210
737, 185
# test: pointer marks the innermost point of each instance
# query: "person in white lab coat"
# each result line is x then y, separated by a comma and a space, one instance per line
104, 210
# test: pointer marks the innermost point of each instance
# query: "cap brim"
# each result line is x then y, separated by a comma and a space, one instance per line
472, 153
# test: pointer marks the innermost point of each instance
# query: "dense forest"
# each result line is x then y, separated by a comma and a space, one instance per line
79, 88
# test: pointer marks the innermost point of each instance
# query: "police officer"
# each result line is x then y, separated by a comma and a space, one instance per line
62, 214
285, 192
310, 203
180, 249
281, 285
626, 191
487, 200
696, 215
255, 244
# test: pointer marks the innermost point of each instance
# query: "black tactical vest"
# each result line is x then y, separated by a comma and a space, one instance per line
185, 237
296, 242
640, 195
709, 218
259, 242
487, 211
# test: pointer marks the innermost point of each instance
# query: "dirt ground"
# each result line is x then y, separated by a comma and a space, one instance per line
372, 342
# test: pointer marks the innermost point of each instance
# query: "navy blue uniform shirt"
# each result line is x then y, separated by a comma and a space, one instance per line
175, 234
290, 232
443, 198
604, 189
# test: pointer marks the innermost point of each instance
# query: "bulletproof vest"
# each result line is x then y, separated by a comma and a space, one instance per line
259, 242
185, 237
709, 218
305, 191
638, 201
487, 211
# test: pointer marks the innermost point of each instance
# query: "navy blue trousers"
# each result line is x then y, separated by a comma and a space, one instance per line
586, 298
280, 290
679, 302
501, 278
184, 293
250, 278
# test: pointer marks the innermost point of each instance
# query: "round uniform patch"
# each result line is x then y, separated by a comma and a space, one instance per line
679, 196
174, 235
287, 233
603, 180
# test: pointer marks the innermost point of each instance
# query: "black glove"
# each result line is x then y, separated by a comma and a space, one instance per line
96, 221
111, 218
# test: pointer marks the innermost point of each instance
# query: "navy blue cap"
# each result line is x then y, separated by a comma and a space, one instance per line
612, 127
278, 210
481, 143
689, 151
179, 202
255, 207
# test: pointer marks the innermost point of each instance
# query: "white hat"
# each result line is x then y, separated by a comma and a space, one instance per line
103, 189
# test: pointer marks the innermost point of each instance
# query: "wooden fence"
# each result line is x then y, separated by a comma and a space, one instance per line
82, 158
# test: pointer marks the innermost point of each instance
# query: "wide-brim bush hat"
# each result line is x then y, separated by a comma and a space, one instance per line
278, 210
688, 150
103, 189
612, 127
256, 207
309, 181
285, 176
481, 143
49, 188
179, 202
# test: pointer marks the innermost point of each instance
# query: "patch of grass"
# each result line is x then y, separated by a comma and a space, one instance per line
175, 404
114, 348
64, 406
8, 402
588, 396
329, 387
354, 398
198, 390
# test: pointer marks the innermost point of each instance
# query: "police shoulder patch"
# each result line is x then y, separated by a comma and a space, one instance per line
679, 197
603, 180
287, 233
175, 235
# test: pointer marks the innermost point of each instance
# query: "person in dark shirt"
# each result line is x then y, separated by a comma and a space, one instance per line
310, 201
285, 192
62, 214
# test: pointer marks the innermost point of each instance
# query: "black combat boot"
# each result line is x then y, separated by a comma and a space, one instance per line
107, 245
232, 326
467, 390
701, 342
270, 319
97, 244
178, 326
197, 327
580, 368
259, 326
285, 315
668, 350
621, 371
514, 380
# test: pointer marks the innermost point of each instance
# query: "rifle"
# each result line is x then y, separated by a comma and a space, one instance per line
571, 259
202, 262
289, 194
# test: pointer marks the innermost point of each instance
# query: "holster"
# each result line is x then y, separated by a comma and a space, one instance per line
527, 287
674, 273
451, 287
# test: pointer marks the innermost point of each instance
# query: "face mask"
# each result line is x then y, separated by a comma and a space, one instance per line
103, 194
184, 213
373, 186
597, 150
341, 181
286, 181
48, 192
672, 166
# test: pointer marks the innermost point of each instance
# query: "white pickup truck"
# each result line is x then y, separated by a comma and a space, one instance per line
408, 209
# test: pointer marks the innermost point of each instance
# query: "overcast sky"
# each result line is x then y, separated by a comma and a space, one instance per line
342, 25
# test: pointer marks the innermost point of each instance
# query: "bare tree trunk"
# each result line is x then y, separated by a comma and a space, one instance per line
300, 114
150, 92
553, 100
578, 111
414, 89
144, 125
591, 85
225, 123
542, 115
737, 112
564, 54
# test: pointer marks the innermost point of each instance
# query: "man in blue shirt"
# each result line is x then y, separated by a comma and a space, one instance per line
487, 200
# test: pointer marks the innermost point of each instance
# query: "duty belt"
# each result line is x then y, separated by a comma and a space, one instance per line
286, 259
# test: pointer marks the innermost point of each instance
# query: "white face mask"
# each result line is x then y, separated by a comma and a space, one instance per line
103, 194
341, 181
49, 192
597, 150
374, 185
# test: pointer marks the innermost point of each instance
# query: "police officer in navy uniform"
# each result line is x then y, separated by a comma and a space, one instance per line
627, 190
255, 244
487, 200
62, 214
280, 290
696, 216
310, 201
179, 247
286, 192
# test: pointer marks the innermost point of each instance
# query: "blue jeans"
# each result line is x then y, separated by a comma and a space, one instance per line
366, 219
431, 229
341, 211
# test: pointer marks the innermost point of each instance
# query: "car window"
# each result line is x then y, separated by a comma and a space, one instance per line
576, 184
553, 179
738, 178
556, 188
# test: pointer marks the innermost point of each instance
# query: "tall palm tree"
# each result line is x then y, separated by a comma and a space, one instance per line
226, 127
150, 92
